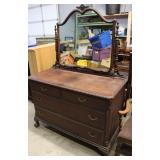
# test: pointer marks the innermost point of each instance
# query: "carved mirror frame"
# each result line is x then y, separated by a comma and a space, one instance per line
82, 9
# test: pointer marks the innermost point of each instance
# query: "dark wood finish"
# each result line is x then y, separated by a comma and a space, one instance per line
82, 9
102, 87
74, 111
128, 70
85, 100
116, 52
129, 85
124, 58
81, 105
29, 92
36, 124
29, 88
46, 89
115, 16
124, 140
71, 126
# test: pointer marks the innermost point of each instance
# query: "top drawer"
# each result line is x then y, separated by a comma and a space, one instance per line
84, 99
45, 89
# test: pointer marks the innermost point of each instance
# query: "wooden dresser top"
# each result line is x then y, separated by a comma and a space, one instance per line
105, 87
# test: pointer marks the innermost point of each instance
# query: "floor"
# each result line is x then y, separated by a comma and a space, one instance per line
44, 142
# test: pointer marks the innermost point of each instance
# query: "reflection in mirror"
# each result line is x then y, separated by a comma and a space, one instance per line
85, 41
67, 42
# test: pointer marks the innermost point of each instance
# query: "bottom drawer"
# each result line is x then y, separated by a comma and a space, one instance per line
89, 133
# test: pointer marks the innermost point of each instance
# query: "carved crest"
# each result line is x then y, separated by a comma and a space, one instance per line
82, 7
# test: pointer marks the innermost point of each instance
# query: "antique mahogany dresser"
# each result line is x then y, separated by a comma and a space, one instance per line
80, 104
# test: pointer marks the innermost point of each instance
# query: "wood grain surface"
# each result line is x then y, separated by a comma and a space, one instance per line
104, 87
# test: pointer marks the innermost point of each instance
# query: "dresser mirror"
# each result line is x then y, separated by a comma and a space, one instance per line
86, 42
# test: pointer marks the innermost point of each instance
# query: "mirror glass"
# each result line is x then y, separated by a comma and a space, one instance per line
85, 41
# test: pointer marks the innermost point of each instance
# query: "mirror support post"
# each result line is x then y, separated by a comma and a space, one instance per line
110, 72
57, 43
116, 72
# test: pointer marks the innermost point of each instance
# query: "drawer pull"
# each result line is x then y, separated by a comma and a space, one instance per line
82, 100
92, 117
43, 89
39, 99
91, 134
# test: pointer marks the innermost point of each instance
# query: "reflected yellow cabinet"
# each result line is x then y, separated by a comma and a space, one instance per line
41, 57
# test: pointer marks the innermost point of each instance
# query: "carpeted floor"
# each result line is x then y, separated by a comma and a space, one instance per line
44, 142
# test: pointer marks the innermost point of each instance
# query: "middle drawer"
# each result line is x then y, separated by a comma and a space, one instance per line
70, 110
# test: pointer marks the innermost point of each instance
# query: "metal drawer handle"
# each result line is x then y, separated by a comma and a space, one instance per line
92, 117
91, 134
43, 89
82, 100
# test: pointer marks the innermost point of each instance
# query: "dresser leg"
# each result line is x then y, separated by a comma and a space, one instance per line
117, 151
104, 152
36, 124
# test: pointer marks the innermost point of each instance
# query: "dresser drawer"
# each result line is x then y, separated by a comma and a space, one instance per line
71, 126
45, 89
86, 100
74, 111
